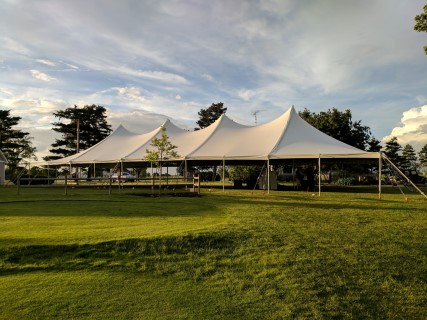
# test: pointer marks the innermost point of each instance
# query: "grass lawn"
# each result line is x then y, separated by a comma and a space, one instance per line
232, 255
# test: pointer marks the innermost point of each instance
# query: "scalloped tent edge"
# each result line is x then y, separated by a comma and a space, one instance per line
286, 137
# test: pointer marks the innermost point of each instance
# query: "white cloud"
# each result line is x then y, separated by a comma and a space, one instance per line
42, 76
6, 91
71, 66
46, 62
245, 94
156, 75
136, 120
131, 93
43, 138
36, 115
421, 99
413, 130
14, 46
207, 77
314, 54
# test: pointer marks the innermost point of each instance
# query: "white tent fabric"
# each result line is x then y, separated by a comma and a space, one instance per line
301, 140
286, 137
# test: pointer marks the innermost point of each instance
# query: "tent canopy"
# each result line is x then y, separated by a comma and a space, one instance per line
286, 137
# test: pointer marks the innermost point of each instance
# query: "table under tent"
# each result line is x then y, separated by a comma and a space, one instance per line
224, 142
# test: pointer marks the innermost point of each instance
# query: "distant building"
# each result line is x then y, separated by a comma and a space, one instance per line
3, 163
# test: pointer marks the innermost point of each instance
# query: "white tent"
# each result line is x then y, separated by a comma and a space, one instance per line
286, 137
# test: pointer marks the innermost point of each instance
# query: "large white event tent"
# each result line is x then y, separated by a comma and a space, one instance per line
286, 137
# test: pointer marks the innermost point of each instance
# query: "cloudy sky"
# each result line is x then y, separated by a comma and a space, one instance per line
146, 61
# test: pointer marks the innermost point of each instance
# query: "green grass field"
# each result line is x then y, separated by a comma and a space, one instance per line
232, 255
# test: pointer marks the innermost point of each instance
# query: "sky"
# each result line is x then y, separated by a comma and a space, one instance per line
147, 61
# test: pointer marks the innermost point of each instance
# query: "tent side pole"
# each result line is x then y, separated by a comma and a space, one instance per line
121, 175
223, 175
404, 176
152, 177
380, 168
185, 173
268, 176
110, 181
66, 182
320, 178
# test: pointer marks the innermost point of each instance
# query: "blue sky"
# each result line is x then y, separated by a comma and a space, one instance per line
146, 61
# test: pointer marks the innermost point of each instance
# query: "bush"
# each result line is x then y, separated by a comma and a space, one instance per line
345, 181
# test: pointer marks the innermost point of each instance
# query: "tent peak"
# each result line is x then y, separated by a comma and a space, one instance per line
166, 122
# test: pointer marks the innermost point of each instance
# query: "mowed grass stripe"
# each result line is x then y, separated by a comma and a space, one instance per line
236, 255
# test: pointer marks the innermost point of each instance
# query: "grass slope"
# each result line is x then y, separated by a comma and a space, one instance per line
289, 255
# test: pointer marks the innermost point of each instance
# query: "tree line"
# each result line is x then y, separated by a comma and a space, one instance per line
81, 128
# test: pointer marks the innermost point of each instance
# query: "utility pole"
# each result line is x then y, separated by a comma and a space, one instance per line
78, 136
255, 116
78, 130
77, 142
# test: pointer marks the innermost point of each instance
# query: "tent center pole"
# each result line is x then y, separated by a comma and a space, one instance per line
320, 178
380, 168
185, 173
268, 176
152, 177
223, 175
121, 175
65, 183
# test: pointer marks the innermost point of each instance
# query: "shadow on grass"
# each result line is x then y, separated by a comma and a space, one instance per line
119, 254
125, 206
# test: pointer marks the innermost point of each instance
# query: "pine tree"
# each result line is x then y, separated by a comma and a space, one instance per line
14, 143
374, 145
84, 128
422, 156
392, 151
210, 115
421, 23
409, 158
206, 118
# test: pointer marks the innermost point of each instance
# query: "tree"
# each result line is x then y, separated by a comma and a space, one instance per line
422, 156
163, 150
14, 143
409, 158
85, 127
421, 23
340, 126
392, 151
374, 145
206, 118
210, 115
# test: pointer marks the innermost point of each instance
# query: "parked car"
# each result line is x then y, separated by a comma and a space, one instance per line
123, 176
